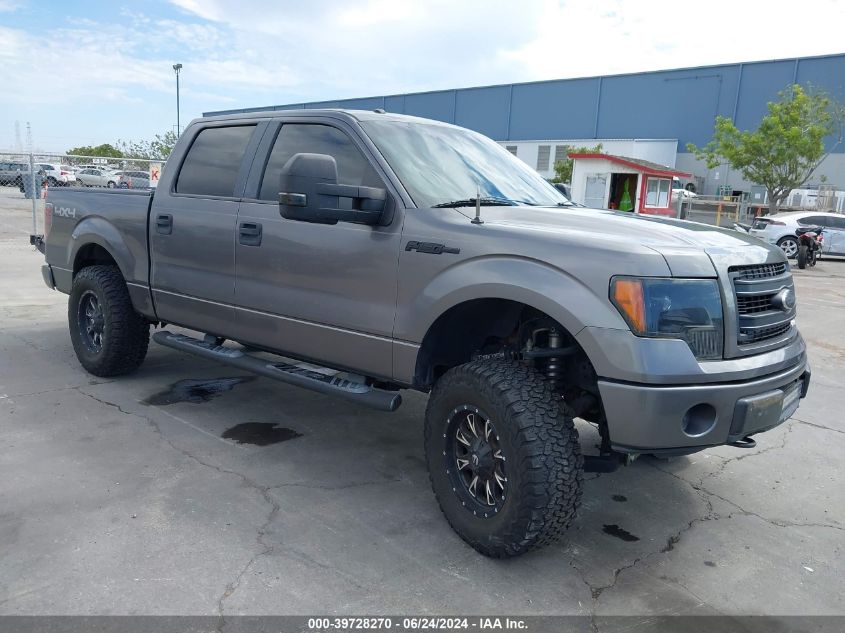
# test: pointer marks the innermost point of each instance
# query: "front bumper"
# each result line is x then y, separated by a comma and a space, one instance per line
685, 418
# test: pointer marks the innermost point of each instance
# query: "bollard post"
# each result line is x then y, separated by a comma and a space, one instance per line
719, 215
33, 193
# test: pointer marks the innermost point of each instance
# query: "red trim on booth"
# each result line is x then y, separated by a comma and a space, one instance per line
633, 165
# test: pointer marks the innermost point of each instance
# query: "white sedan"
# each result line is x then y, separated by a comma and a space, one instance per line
780, 229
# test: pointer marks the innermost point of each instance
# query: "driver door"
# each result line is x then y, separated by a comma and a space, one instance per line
323, 292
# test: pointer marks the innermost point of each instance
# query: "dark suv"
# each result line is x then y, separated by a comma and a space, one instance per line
10, 173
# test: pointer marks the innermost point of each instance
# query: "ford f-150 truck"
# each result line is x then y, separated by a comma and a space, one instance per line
402, 253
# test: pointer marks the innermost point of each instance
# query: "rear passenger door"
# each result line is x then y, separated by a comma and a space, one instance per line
192, 228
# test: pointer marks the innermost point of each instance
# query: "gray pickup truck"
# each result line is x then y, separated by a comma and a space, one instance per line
402, 253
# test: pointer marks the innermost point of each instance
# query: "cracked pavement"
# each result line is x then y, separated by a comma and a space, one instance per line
111, 505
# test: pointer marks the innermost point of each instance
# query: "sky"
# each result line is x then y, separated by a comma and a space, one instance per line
91, 72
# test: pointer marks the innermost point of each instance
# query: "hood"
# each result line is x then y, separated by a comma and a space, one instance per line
686, 246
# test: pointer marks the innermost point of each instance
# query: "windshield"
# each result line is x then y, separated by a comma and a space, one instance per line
440, 164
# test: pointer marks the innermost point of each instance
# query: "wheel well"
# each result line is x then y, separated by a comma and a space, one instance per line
494, 327
92, 255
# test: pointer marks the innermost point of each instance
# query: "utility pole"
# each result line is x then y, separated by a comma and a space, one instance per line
176, 69
32, 180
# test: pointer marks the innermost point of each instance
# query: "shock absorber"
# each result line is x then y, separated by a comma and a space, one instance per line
554, 366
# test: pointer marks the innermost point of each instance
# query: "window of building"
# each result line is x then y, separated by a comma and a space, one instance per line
511, 149
213, 161
295, 138
561, 152
543, 157
657, 192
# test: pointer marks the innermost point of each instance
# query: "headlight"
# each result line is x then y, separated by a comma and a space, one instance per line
686, 309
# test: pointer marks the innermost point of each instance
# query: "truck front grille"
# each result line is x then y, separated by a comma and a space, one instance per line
751, 304
761, 317
764, 333
758, 271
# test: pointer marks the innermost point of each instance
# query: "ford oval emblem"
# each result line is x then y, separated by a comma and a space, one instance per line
784, 300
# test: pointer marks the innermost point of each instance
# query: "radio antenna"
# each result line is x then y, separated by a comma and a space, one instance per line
477, 219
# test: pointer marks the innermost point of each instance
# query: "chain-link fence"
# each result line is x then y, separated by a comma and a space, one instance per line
30, 175
61, 170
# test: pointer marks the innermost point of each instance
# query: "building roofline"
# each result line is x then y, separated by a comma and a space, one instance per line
304, 104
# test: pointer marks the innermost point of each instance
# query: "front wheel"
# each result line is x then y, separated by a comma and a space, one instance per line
108, 336
503, 459
111, 184
789, 246
803, 256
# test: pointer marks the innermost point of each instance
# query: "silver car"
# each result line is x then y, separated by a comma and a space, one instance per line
780, 229
97, 178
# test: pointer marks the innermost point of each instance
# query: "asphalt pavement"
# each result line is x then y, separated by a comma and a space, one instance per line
192, 488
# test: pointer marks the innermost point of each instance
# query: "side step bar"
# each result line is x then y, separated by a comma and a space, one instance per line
283, 372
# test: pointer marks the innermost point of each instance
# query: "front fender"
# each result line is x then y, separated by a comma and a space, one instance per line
549, 289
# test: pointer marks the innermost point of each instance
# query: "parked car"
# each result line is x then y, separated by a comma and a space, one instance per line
10, 173
399, 253
563, 188
97, 178
66, 175
134, 180
683, 193
79, 168
56, 175
780, 229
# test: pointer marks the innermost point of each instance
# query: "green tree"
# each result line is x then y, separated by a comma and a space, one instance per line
786, 148
106, 150
563, 168
157, 149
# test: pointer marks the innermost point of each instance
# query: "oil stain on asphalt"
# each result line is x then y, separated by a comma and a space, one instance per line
196, 391
259, 433
620, 533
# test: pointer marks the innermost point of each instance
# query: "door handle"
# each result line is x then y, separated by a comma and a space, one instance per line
249, 234
164, 223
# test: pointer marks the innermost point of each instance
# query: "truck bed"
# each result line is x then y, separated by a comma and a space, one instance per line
77, 219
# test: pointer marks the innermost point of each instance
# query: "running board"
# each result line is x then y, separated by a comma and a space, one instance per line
283, 372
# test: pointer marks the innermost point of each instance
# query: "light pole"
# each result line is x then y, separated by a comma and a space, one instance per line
177, 68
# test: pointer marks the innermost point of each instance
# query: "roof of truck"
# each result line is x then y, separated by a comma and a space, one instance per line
360, 115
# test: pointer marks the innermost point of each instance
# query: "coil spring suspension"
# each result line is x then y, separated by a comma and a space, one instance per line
554, 365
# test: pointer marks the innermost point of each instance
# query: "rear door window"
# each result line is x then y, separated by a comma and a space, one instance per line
812, 220
214, 160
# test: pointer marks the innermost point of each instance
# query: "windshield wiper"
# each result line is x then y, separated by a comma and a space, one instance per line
470, 202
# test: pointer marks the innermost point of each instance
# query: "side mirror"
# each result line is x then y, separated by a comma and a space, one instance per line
309, 192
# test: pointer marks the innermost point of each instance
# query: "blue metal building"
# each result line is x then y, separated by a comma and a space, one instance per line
668, 104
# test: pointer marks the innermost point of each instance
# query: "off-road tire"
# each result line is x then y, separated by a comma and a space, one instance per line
126, 334
540, 446
803, 256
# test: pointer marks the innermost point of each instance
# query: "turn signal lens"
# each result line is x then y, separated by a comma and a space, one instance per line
627, 295
686, 309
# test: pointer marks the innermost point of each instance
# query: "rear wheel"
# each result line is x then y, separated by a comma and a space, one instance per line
803, 256
111, 184
503, 459
108, 336
789, 246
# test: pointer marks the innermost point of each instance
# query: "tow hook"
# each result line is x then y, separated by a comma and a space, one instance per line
745, 442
